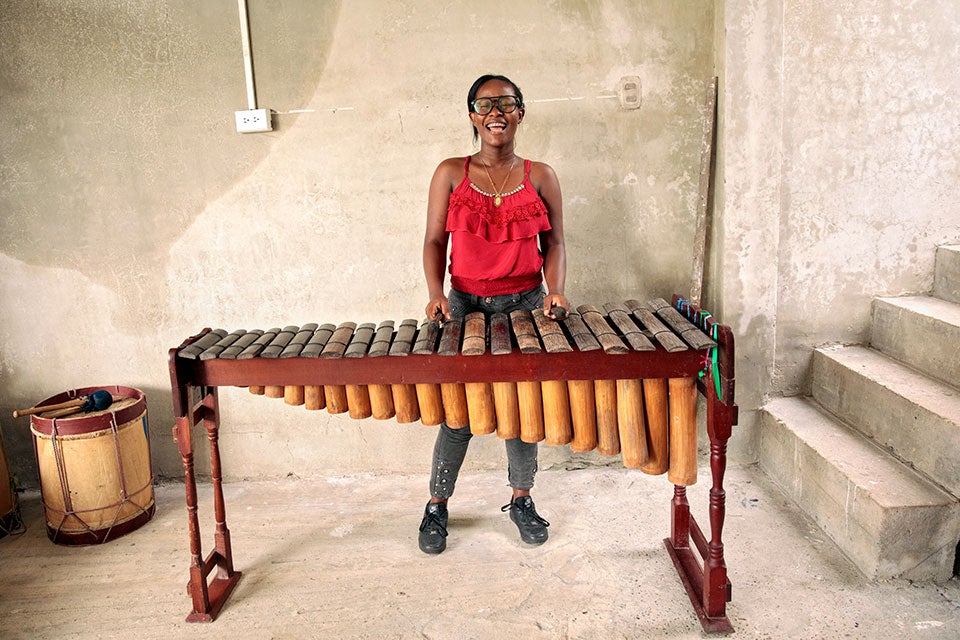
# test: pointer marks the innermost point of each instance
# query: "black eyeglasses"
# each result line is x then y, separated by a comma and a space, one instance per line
506, 104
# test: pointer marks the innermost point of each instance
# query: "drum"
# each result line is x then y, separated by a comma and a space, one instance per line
10, 521
96, 479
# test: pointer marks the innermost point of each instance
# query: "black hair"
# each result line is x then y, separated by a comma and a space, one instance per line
482, 80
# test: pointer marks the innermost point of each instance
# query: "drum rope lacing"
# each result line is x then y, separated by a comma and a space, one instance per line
125, 497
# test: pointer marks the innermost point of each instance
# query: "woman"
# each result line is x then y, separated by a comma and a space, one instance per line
503, 218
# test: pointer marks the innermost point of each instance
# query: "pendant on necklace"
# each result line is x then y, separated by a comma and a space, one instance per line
497, 200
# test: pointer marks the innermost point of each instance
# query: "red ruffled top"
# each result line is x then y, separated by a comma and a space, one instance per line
494, 250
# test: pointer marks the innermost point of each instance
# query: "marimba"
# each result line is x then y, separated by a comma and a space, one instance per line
624, 381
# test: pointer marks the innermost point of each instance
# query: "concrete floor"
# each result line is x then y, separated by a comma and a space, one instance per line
338, 558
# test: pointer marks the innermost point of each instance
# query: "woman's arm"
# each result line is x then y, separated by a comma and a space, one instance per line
551, 242
436, 237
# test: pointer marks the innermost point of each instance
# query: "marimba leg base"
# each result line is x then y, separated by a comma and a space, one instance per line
689, 571
218, 591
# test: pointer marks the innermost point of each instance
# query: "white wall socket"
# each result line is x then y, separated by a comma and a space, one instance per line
629, 92
253, 121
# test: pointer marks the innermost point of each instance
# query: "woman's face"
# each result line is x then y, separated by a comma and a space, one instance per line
496, 128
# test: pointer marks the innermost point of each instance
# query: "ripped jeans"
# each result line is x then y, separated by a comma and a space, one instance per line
451, 446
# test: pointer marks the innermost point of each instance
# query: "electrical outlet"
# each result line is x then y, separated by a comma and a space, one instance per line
253, 121
629, 92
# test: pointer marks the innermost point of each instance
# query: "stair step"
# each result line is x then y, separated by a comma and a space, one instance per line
946, 277
922, 331
889, 520
916, 417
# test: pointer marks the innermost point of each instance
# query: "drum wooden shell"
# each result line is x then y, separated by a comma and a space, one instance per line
96, 479
9, 511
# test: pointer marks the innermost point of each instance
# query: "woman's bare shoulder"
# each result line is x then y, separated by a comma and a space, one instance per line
451, 165
541, 172
450, 172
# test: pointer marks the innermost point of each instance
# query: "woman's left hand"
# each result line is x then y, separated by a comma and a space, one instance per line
550, 304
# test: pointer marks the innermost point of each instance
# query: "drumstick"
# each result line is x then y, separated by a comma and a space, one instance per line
60, 413
558, 313
96, 401
438, 318
76, 402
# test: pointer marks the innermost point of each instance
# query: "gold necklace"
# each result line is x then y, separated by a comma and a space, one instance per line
498, 193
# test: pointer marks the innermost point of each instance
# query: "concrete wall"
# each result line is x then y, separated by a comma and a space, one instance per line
134, 215
839, 173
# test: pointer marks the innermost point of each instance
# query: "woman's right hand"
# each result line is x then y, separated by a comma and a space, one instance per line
438, 308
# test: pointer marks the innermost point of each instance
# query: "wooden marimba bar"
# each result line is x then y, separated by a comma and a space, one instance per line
621, 382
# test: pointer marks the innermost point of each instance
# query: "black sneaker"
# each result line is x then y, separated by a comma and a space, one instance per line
433, 528
533, 528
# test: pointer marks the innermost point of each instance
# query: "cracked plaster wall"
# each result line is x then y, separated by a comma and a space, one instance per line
838, 174
134, 215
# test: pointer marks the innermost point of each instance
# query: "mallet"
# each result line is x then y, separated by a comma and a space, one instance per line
96, 401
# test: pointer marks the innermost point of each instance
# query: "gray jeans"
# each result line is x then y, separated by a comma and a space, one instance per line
451, 446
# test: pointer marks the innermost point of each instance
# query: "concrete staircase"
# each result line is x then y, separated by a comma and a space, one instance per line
874, 455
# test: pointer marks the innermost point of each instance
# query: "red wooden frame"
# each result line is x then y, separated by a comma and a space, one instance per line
194, 384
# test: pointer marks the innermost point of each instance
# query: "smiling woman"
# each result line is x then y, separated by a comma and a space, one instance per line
502, 216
